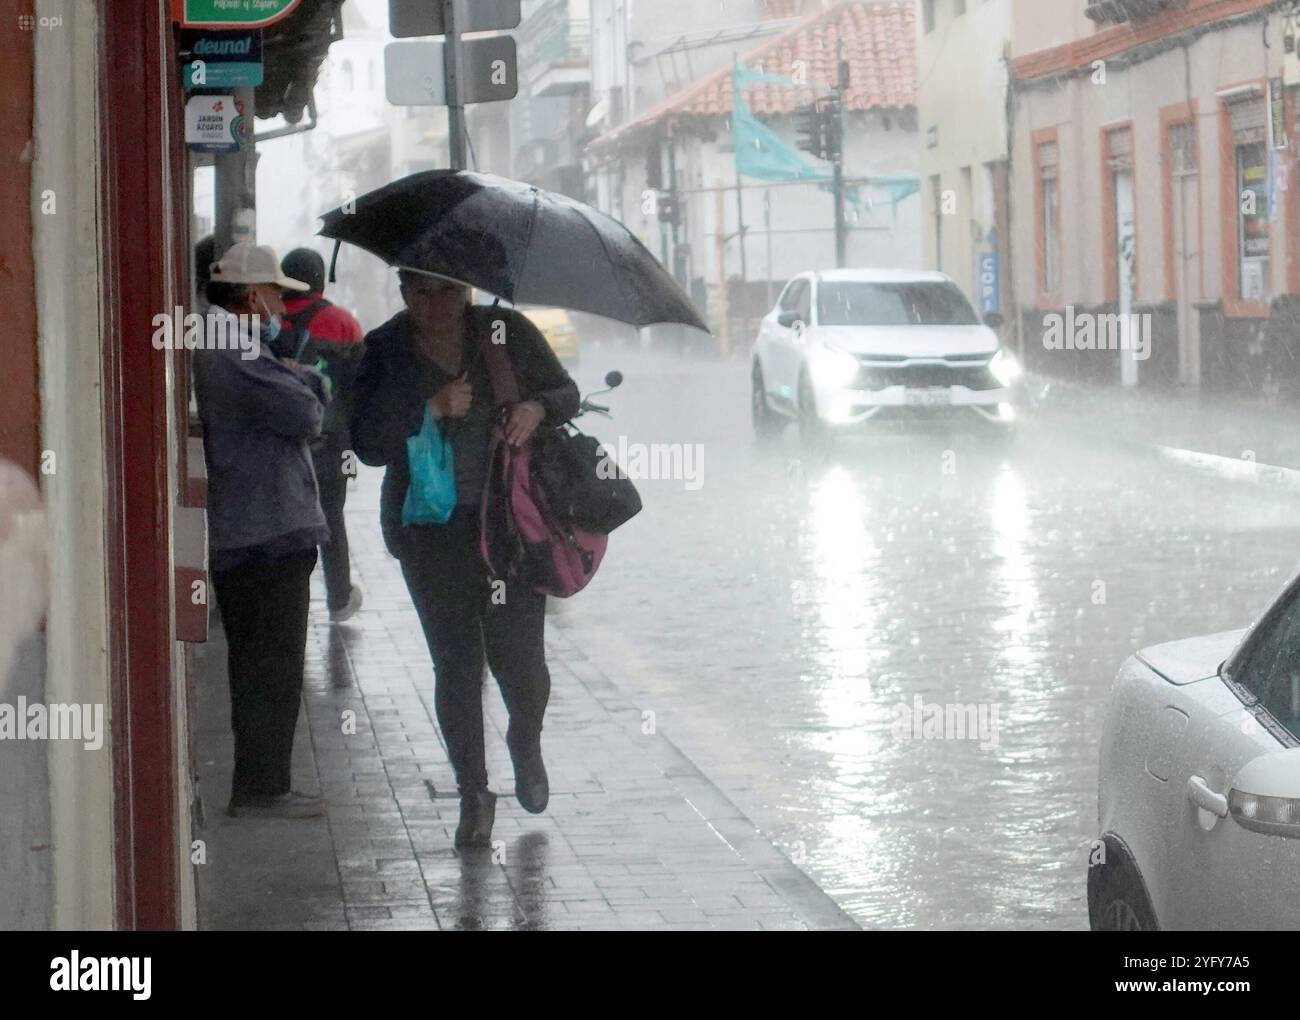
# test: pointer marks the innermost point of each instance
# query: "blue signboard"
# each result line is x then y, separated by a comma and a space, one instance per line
221, 58
988, 282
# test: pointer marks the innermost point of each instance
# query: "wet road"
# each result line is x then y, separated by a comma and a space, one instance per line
776, 611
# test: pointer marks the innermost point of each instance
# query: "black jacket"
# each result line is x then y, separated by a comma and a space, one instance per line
393, 383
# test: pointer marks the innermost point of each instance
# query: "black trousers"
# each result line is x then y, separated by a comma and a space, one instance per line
466, 621
333, 486
264, 611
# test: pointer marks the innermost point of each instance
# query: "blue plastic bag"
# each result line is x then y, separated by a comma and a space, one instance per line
431, 496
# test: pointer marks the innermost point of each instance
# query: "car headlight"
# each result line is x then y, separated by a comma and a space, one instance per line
1005, 368
834, 367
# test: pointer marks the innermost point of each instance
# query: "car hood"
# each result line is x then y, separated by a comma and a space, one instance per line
913, 341
1191, 659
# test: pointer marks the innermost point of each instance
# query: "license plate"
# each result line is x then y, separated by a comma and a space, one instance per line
928, 398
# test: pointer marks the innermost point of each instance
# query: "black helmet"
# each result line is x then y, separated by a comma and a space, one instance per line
305, 265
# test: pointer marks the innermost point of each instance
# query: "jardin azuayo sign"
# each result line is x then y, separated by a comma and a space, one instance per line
231, 13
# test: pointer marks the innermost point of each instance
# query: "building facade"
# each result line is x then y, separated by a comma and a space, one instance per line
1154, 158
734, 240
962, 113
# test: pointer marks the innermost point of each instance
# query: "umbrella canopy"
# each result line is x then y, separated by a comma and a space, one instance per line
523, 244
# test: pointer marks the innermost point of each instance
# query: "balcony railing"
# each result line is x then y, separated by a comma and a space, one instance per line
1115, 11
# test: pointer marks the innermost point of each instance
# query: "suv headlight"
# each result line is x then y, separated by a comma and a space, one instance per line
834, 367
1005, 368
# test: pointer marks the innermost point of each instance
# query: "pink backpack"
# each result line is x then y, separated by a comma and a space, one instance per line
521, 537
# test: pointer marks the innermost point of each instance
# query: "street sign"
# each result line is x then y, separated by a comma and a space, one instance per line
221, 59
214, 124
409, 18
231, 13
415, 72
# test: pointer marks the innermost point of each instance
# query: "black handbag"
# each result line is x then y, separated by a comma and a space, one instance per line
583, 482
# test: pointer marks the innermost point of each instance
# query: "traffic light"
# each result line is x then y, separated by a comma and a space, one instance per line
817, 126
809, 129
668, 211
831, 124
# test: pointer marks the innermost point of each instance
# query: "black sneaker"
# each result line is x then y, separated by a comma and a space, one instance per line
286, 805
478, 812
532, 786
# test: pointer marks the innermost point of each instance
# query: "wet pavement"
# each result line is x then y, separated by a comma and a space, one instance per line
780, 616
635, 836
785, 622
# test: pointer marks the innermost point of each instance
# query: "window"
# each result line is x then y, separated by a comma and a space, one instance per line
796, 292
1272, 672
927, 15
1050, 217
893, 304
1250, 153
1252, 221
1182, 149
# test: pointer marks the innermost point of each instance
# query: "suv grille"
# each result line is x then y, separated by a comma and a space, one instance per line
877, 377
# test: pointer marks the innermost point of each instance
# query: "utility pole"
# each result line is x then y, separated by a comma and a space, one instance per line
835, 132
455, 109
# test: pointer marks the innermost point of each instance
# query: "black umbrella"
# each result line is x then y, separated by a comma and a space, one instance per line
523, 244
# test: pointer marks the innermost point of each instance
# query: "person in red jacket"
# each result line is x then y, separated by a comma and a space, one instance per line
326, 336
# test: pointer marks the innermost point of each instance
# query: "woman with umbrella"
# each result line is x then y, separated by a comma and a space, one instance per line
446, 229
431, 355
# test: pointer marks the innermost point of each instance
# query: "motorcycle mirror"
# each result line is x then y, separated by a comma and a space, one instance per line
614, 379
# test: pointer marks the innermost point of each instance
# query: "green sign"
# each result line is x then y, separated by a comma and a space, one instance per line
231, 13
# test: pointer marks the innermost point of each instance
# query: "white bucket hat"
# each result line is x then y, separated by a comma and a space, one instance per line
248, 263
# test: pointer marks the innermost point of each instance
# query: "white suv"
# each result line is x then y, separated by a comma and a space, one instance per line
846, 345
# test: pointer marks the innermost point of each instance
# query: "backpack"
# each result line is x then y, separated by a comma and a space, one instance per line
523, 535
336, 362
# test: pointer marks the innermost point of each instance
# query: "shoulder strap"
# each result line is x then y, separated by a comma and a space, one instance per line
505, 388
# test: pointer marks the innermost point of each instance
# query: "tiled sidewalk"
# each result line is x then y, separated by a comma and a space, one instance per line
635, 836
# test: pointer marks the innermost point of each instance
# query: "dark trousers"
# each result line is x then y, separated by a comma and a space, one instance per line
464, 624
333, 486
264, 612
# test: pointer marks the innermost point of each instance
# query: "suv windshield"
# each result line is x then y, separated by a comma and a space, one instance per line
893, 304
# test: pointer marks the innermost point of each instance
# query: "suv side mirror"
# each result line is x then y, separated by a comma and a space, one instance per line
993, 320
787, 318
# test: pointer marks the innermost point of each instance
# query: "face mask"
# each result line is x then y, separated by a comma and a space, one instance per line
272, 323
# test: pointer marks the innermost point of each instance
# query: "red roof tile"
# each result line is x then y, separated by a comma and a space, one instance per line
879, 44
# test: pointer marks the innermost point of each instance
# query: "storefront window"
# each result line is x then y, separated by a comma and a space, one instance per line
1253, 245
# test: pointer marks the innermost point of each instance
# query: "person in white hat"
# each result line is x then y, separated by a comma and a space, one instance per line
264, 519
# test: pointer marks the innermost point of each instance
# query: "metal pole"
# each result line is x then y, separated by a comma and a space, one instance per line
455, 110
235, 185
767, 230
837, 126
720, 253
740, 242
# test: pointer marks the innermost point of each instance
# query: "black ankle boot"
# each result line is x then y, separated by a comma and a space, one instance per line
532, 787
478, 810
